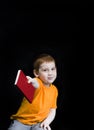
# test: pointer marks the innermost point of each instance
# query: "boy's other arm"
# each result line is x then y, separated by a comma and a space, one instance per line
45, 124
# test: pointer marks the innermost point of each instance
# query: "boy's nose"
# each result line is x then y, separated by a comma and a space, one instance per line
50, 72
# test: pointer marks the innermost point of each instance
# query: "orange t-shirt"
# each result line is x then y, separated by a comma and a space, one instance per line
45, 98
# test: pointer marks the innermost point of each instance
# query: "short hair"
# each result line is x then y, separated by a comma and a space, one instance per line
41, 59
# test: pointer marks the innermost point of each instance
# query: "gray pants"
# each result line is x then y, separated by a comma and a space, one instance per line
16, 125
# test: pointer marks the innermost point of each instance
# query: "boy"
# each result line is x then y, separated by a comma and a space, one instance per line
39, 114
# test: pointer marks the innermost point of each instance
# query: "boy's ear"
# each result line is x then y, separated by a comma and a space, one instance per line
35, 73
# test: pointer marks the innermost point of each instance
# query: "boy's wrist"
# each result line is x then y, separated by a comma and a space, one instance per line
35, 83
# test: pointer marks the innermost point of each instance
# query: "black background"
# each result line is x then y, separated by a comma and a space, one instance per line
63, 30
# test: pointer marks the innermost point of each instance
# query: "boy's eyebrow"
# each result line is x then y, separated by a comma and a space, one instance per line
45, 67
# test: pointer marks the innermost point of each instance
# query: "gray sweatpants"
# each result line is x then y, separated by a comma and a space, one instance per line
16, 125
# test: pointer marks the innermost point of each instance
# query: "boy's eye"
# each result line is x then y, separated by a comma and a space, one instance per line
53, 68
45, 70
48, 70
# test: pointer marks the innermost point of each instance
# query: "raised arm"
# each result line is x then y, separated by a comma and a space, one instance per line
33, 81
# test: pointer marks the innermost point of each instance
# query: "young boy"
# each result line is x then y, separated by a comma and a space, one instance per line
39, 114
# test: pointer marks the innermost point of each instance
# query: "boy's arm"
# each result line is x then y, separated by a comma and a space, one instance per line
33, 81
45, 124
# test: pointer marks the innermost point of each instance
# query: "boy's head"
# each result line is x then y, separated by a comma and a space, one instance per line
41, 59
45, 68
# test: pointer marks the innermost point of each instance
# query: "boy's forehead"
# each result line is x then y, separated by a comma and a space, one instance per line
47, 64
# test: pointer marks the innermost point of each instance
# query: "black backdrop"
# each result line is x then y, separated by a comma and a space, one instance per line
64, 31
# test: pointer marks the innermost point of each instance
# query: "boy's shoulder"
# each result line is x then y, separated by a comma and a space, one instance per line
55, 87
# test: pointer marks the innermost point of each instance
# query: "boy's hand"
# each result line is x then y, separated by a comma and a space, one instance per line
33, 81
45, 126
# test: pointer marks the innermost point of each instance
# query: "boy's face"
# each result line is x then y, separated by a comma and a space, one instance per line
47, 72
